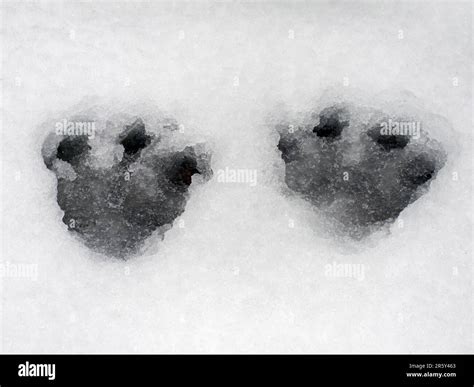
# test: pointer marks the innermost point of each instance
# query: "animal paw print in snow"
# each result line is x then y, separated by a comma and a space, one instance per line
361, 166
120, 185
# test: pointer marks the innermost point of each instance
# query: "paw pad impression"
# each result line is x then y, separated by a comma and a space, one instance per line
121, 178
362, 166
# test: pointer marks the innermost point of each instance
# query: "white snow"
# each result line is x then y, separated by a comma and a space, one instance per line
245, 268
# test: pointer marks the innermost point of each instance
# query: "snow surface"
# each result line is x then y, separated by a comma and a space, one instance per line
245, 268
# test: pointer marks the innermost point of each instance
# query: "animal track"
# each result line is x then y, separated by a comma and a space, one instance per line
361, 166
121, 186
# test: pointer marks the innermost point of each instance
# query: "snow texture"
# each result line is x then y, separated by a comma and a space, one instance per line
254, 263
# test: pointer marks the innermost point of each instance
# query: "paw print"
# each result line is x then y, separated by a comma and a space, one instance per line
361, 166
120, 185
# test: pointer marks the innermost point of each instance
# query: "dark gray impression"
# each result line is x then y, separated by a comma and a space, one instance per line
362, 167
115, 206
